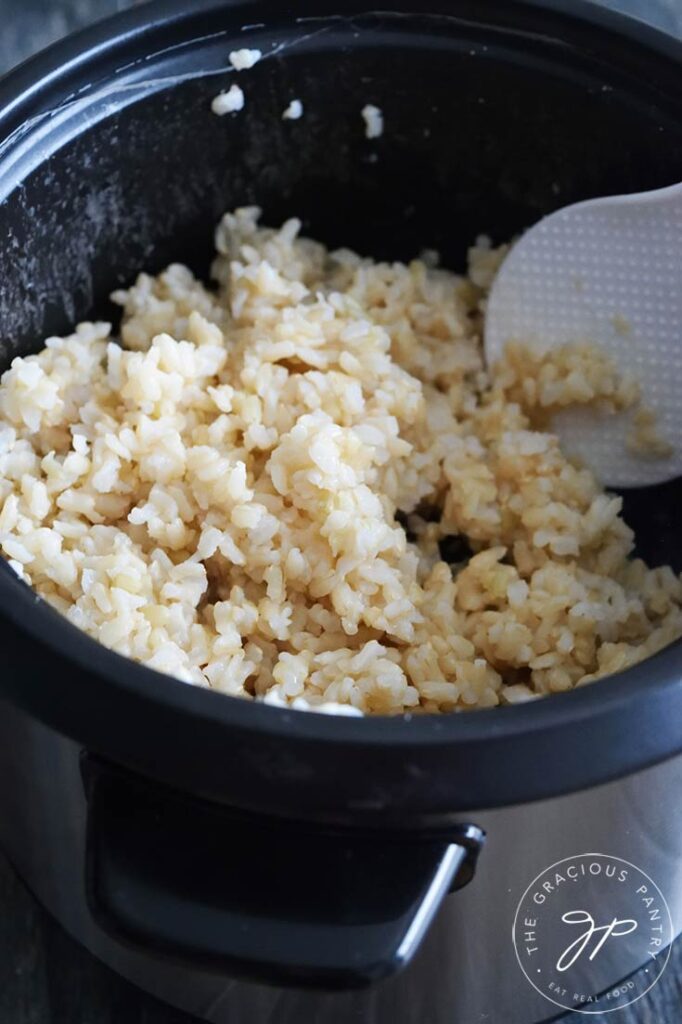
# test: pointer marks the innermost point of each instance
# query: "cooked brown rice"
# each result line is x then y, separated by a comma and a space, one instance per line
253, 491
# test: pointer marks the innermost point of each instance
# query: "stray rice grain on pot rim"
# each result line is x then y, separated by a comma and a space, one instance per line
254, 489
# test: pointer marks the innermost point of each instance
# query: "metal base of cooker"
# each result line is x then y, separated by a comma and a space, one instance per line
466, 970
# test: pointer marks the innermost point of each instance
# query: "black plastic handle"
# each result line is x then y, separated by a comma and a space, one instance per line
277, 902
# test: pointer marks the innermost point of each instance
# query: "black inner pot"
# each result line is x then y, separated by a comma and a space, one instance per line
495, 113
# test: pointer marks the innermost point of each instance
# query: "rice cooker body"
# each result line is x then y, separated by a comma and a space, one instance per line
466, 968
110, 160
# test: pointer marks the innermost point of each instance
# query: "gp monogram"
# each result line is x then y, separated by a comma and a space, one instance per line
580, 945
589, 921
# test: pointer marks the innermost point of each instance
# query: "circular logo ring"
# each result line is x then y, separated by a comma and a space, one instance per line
561, 937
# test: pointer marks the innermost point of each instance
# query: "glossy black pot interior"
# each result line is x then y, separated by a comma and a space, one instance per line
495, 113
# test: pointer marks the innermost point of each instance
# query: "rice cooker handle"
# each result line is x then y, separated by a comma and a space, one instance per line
277, 902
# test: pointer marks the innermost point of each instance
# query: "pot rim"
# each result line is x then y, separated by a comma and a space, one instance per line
644, 696
22, 85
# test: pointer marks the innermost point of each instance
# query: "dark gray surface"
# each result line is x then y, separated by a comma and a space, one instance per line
45, 977
665, 14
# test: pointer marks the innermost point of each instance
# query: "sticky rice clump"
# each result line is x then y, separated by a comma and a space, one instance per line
302, 486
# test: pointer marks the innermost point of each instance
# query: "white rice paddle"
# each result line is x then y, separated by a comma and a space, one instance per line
609, 272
